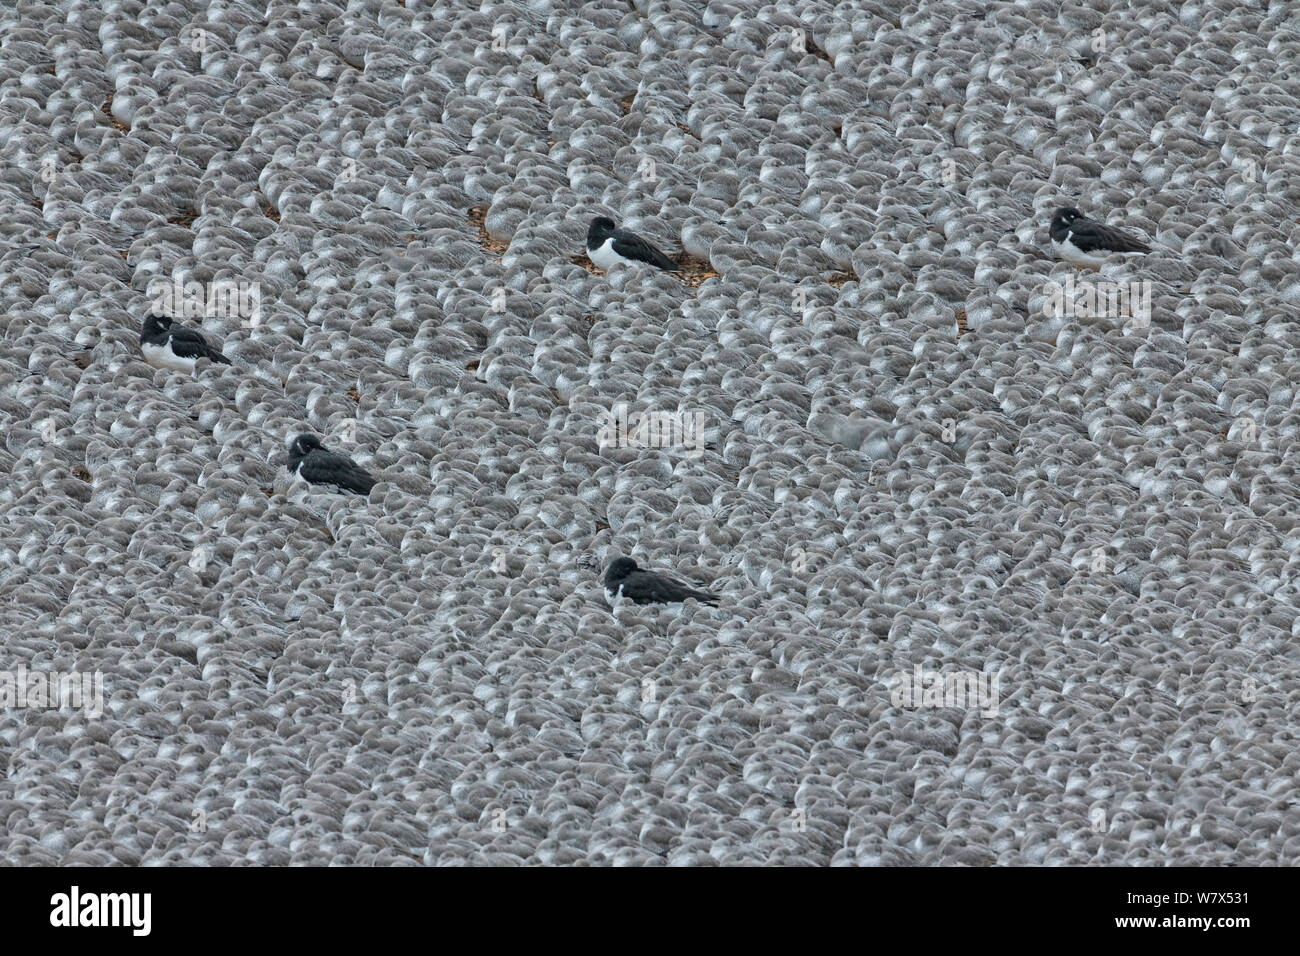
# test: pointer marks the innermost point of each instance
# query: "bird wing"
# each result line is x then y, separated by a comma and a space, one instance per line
631, 246
644, 587
331, 468
190, 344
1090, 236
705, 597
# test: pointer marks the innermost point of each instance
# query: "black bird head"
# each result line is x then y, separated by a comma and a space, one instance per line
601, 228
301, 447
619, 570
155, 327
1063, 217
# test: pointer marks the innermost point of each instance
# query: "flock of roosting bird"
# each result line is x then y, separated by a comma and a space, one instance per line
1075, 239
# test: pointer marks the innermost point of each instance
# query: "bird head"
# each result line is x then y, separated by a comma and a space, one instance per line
619, 569
1065, 215
301, 446
154, 323
601, 228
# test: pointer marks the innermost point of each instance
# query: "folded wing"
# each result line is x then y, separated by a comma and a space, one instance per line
190, 344
1089, 236
645, 587
331, 468
631, 246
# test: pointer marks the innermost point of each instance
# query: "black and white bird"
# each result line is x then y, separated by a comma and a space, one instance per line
313, 462
608, 245
1081, 241
166, 345
647, 587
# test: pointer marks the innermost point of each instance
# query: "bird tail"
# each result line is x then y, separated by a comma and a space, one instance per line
704, 597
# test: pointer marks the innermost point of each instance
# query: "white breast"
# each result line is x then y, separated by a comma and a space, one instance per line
604, 255
162, 356
1069, 252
